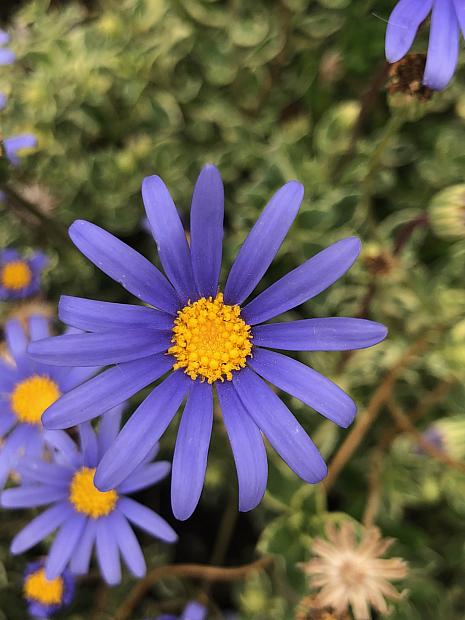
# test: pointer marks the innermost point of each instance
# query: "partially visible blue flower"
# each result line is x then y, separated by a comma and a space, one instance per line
46, 597
7, 57
193, 611
447, 19
27, 388
84, 516
3, 100
15, 144
19, 276
203, 340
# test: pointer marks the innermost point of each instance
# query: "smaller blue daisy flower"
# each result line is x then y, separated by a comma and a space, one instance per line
193, 611
447, 19
15, 144
84, 516
19, 276
7, 57
27, 389
46, 597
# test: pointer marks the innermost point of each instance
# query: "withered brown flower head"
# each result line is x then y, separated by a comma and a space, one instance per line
353, 574
308, 609
406, 77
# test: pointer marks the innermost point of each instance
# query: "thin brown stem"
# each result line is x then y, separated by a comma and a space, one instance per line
193, 571
374, 489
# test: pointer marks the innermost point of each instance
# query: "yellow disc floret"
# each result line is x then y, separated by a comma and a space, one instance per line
210, 339
87, 499
31, 397
46, 591
15, 275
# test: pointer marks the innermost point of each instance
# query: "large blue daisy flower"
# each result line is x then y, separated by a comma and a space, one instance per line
201, 337
83, 515
46, 597
19, 276
447, 19
27, 388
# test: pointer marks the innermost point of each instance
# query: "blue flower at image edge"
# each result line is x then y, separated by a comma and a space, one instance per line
193, 611
36, 590
19, 276
15, 144
199, 338
7, 57
83, 515
27, 388
447, 19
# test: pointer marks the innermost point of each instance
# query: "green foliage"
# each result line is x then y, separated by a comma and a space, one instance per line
268, 91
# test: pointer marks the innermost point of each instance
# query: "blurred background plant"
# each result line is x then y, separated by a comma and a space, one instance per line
114, 90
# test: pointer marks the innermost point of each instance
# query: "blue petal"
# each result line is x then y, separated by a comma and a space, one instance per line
89, 445
147, 520
402, 27
194, 611
40, 527
304, 282
262, 243
329, 334
207, 213
100, 348
443, 48
305, 384
107, 552
16, 339
7, 57
94, 316
191, 451
32, 496
141, 432
128, 544
62, 549
125, 265
460, 11
105, 391
80, 559
170, 237
247, 446
279, 426
145, 476
38, 327
109, 428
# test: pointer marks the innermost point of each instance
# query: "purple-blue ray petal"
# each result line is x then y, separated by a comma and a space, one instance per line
31, 496
191, 450
40, 527
89, 445
38, 261
51, 474
17, 143
94, 316
67, 449
38, 327
263, 242
304, 282
107, 552
247, 445
7, 421
460, 12
72, 377
280, 427
100, 348
147, 520
16, 339
4, 37
62, 549
329, 334
207, 212
170, 237
443, 48
128, 545
109, 427
8, 376
105, 391
80, 560
120, 262
142, 431
145, 476
306, 384
7, 57
402, 27
194, 611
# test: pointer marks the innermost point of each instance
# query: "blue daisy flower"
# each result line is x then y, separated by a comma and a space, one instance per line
447, 19
19, 276
46, 597
202, 339
83, 515
7, 57
15, 144
193, 611
27, 388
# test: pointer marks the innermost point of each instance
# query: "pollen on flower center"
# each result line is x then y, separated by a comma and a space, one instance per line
86, 498
31, 397
210, 340
15, 275
46, 591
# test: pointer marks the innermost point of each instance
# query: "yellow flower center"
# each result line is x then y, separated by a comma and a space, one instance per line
210, 340
15, 275
32, 397
87, 499
38, 588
